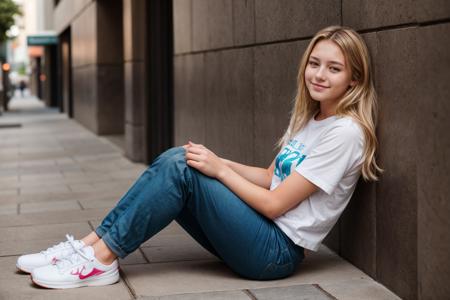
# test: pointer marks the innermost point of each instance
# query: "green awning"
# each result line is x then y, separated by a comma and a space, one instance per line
42, 40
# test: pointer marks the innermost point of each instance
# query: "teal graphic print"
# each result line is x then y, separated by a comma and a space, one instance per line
291, 154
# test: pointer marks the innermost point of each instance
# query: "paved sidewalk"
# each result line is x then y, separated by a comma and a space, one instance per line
56, 177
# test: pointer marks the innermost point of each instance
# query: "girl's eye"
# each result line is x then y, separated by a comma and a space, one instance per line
313, 63
335, 70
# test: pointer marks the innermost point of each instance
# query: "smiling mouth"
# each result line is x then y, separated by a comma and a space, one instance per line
318, 85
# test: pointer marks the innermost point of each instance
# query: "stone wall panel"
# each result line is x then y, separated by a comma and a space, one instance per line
290, 19
433, 165
229, 104
397, 189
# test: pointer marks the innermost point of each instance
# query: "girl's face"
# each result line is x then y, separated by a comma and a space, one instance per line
327, 74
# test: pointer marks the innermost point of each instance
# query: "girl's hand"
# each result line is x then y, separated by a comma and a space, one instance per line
204, 160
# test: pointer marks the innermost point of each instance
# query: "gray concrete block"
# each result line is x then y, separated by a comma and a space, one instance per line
204, 276
189, 100
220, 23
52, 218
289, 19
84, 38
333, 239
134, 28
358, 229
49, 177
110, 101
133, 258
177, 252
433, 167
109, 27
432, 10
8, 209
53, 206
243, 22
229, 104
66, 11
359, 289
364, 14
106, 202
358, 222
9, 192
134, 141
212, 24
200, 26
397, 189
296, 292
134, 92
46, 231
182, 22
276, 68
225, 295
19, 247
85, 96
44, 190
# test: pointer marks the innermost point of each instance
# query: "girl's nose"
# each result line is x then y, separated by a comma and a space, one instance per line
320, 74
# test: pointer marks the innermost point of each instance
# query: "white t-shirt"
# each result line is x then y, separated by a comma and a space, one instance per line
329, 154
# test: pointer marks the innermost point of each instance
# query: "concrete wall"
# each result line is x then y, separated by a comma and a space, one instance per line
97, 62
235, 66
134, 42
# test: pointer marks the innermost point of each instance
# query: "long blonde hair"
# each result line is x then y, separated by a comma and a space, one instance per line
359, 101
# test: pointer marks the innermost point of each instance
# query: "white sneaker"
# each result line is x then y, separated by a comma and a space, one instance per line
27, 263
76, 270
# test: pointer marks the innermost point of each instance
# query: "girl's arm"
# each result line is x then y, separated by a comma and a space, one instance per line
272, 204
259, 176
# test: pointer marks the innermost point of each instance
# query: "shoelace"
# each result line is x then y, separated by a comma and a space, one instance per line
70, 260
70, 240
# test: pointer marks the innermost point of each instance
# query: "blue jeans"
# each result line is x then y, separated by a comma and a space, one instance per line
249, 243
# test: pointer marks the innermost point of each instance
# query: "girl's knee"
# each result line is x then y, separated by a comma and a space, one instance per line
171, 154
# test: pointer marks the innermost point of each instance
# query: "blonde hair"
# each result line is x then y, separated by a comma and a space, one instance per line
359, 101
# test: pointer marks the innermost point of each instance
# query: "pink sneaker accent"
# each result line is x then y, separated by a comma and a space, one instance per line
92, 273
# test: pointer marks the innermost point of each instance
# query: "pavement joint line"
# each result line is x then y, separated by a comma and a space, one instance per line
91, 225
145, 256
79, 204
249, 294
127, 284
317, 286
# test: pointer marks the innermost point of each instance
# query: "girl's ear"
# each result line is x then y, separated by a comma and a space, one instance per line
353, 83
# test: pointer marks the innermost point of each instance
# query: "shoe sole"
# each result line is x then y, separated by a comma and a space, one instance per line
97, 281
22, 269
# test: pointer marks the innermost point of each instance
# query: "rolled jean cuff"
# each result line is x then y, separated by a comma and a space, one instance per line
112, 245
100, 232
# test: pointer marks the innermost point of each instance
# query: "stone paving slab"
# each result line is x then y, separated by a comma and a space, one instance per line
8, 209
52, 206
226, 295
182, 252
323, 268
52, 218
296, 292
134, 258
39, 232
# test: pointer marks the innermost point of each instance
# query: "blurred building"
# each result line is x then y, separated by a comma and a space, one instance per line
116, 70
223, 73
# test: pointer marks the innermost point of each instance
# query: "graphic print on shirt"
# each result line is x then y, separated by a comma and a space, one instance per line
291, 153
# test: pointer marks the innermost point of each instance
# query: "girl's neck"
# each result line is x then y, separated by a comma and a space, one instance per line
325, 112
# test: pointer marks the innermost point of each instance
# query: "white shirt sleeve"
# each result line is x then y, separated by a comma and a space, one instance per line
335, 154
